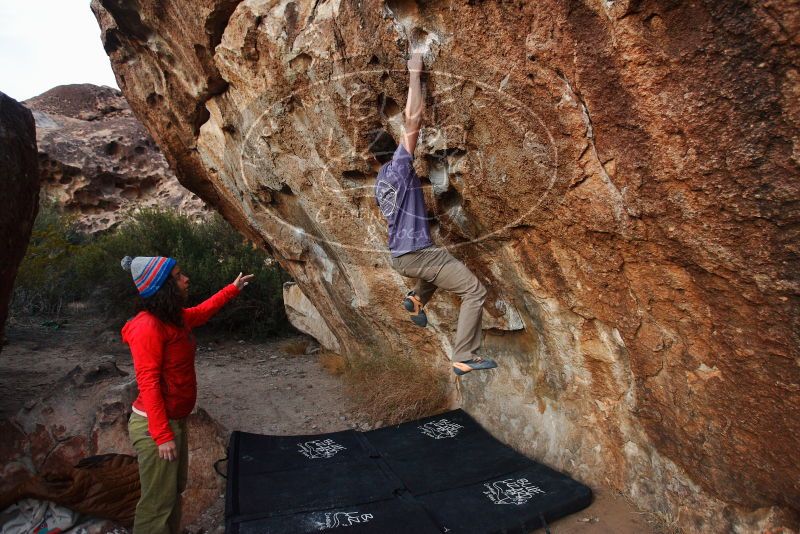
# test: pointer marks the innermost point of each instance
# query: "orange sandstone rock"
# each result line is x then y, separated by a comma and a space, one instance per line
621, 175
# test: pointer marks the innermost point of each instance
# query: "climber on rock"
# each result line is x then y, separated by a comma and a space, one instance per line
399, 194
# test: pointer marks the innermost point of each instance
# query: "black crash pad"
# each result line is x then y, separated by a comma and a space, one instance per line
266, 454
444, 451
443, 472
393, 516
269, 475
514, 502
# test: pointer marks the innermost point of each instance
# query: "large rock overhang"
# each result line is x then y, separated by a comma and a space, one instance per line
620, 175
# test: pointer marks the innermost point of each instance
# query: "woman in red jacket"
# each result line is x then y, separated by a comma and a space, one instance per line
163, 349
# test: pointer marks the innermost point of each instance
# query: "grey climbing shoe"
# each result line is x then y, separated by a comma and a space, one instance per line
413, 305
475, 364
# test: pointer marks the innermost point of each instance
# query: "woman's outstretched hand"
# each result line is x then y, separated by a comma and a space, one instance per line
242, 281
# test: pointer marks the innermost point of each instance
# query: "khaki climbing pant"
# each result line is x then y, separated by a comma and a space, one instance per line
434, 267
162, 481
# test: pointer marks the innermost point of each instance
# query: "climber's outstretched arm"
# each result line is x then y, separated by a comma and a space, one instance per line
415, 104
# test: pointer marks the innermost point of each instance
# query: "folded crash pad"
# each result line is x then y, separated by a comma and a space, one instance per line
444, 473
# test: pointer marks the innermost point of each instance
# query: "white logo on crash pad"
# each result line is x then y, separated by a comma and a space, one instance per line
440, 429
320, 448
510, 491
344, 519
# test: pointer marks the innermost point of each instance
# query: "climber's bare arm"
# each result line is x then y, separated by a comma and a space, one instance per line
415, 104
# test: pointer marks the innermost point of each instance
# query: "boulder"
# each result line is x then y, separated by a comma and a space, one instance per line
19, 193
305, 317
98, 162
622, 176
87, 415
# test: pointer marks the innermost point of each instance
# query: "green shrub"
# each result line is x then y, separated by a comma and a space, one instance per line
62, 266
46, 281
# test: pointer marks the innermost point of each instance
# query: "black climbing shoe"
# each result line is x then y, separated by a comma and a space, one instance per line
413, 305
475, 364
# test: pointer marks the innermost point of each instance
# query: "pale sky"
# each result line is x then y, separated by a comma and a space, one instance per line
44, 43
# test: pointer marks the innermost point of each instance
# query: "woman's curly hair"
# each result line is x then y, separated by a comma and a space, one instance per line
167, 303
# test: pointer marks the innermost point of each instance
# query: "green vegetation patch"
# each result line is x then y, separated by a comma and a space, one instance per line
63, 266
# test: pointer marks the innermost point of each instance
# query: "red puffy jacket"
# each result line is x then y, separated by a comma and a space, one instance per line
163, 359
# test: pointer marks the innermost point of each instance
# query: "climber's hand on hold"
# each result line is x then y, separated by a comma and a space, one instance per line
242, 281
168, 451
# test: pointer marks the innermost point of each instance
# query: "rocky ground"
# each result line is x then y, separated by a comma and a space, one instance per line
268, 387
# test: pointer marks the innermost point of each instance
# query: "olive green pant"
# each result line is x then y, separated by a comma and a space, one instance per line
162, 481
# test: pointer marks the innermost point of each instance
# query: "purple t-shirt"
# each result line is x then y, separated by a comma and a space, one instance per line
399, 195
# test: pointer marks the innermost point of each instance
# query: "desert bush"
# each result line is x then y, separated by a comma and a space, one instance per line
46, 282
294, 347
334, 363
63, 266
395, 389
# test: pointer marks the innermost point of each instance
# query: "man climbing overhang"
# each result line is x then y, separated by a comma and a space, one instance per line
398, 191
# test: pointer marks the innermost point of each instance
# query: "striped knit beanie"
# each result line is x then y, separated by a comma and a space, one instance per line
149, 273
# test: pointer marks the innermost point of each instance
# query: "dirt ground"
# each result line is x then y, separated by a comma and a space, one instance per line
262, 387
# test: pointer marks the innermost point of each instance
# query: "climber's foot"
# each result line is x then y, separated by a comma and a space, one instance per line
475, 364
413, 305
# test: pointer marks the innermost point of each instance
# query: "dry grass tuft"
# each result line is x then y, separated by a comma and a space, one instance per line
332, 362
396, 389
295, 347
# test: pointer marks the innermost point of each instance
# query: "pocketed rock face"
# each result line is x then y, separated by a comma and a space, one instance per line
19, 194
620, 175
98, 162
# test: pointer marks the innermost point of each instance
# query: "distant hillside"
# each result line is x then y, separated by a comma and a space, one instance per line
97, 160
